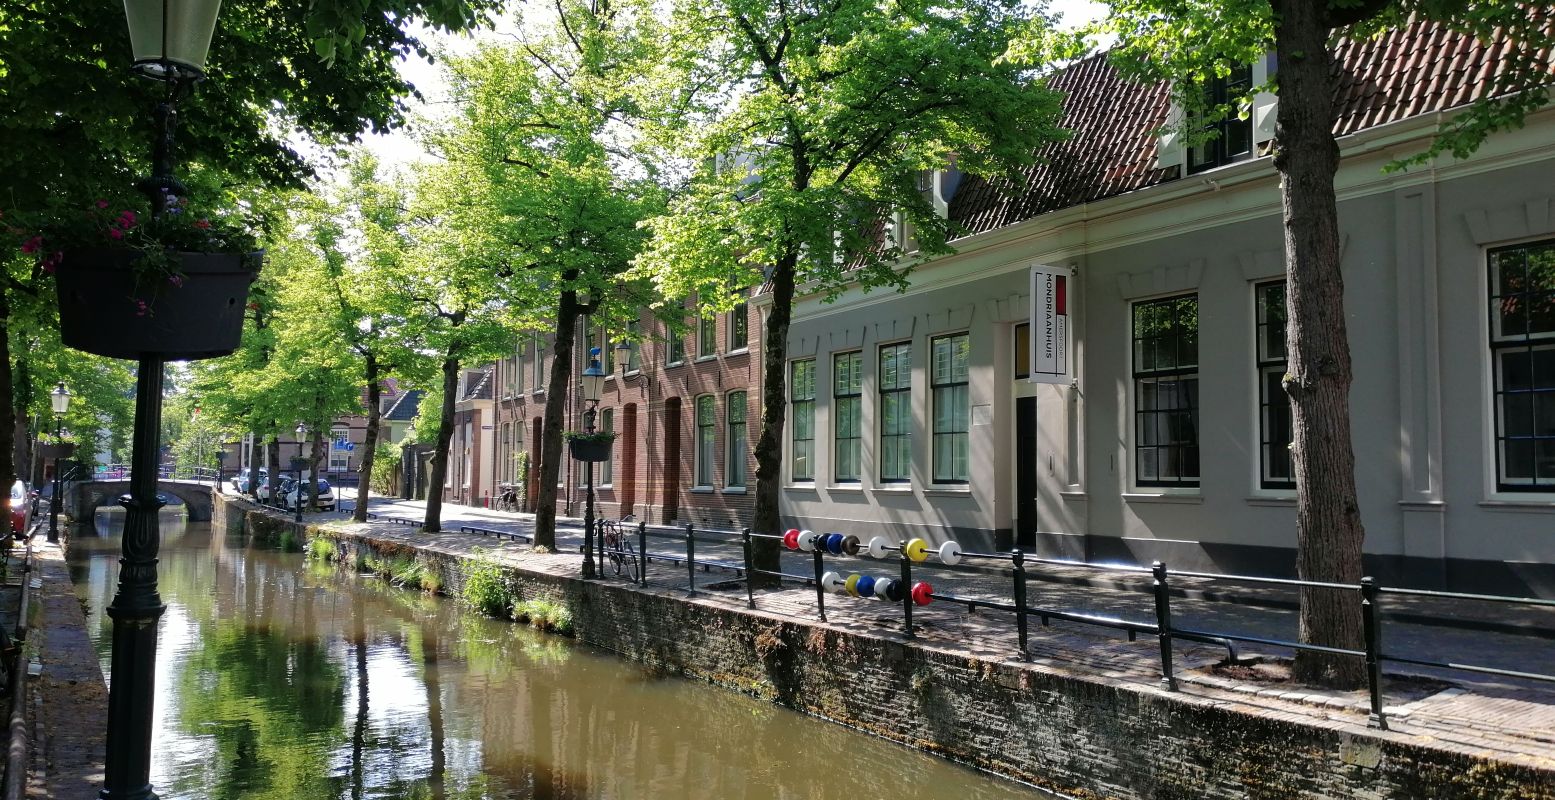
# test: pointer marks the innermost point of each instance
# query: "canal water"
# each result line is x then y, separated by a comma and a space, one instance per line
280, 678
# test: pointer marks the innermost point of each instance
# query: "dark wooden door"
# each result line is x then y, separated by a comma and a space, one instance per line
670, 502
1026, 472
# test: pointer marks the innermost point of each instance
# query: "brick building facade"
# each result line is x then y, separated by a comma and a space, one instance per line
685, 408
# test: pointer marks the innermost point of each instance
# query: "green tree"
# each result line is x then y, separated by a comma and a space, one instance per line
812, 125
76, 128
562, 194
1189, 43
448, 297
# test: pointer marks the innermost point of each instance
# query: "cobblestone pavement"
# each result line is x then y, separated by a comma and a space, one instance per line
70, 697
1482, 713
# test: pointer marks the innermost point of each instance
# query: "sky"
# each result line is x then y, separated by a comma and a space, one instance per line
400, 147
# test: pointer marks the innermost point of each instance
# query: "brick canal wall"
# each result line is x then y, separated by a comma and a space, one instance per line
1081, 736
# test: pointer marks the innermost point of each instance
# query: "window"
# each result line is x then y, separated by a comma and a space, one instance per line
675, 348
1023, 351
735, 460
516, 386
539, 383
1522, 351
634, 357
952, 412
1166, 389
707, 337
1229, 139
801, 398
705, 441
739, 328
896, 413
1274, 421
607, 424
607, 354
847, 411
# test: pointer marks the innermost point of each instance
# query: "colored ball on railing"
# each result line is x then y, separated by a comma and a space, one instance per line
877, 546
950, 554
791, 538
851, 584
894, 591
850, 544
865, 586
920, 593
917, 550
831, 581
807, 540
834, 543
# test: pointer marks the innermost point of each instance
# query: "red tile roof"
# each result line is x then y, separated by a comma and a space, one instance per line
1418, 69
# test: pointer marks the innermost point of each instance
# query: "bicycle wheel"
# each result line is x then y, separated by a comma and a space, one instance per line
629, 555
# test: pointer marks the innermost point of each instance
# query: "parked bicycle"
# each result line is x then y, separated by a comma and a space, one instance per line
619, 547
508, 500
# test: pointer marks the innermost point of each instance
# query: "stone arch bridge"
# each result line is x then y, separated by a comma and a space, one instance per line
83, 498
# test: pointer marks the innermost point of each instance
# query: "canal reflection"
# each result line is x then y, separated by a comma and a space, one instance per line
277, 678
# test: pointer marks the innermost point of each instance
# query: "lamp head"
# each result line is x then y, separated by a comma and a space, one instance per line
302, 430
593, 378
59, 399
170, 38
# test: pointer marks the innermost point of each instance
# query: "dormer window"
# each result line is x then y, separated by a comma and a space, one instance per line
1229, 139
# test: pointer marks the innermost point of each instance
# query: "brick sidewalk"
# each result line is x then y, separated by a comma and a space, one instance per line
1476, 714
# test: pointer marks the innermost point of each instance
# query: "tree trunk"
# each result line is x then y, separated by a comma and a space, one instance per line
316, 454
1328, 521
274, 479
369, 442
765, 553
255, 445
445, 436
556, 397
7, 391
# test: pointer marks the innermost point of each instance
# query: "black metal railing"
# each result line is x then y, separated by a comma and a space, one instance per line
1368, 592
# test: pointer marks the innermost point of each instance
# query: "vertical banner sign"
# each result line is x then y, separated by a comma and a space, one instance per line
1049, 324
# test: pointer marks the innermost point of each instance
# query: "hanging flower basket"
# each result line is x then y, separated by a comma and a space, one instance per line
590, 446
109, 307
57, 450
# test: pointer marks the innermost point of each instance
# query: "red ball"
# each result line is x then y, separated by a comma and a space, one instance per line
791, 538
920, 593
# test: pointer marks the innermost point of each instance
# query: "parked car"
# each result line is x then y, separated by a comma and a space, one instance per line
240, 481
20, 503
326, 494
262, 492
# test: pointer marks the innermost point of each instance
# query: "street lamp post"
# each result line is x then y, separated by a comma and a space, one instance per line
593, 380
221, 458
59, 399
170, 39
302, 432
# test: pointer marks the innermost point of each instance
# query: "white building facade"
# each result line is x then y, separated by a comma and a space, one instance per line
912, 415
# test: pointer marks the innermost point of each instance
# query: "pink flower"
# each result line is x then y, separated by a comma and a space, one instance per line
202, 224
127, 219
115, 233
53, 260
176, 280
102, 203
32, 245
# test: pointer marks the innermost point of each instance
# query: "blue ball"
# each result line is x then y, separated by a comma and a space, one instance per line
865, 586
834, 543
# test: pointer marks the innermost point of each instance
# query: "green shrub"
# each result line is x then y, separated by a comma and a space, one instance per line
431, 582
486, 587
289, 541
322, 549
405, 571
547, 615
